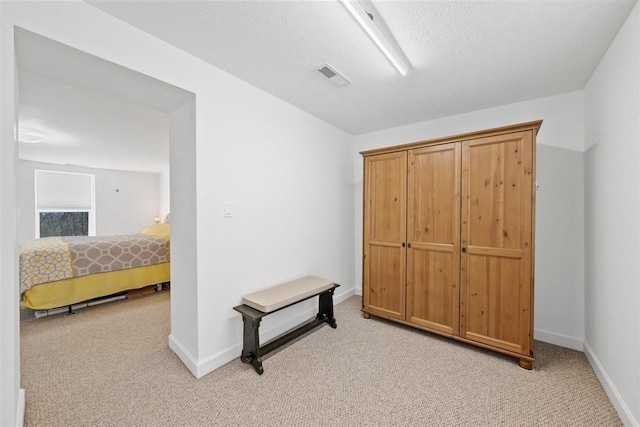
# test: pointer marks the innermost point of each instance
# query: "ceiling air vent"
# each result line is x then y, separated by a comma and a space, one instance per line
333, 76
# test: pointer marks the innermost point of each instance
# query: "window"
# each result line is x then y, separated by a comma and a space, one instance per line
65, 204
64, 224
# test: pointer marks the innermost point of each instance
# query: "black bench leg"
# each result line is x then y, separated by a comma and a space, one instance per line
251, 344
325, 308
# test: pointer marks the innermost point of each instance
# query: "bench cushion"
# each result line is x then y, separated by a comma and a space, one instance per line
279, 296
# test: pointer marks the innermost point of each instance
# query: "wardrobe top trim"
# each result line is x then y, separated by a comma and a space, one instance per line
461, 137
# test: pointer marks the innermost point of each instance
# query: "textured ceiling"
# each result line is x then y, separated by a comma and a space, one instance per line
465, 55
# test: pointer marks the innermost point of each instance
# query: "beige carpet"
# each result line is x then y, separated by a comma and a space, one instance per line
110, 366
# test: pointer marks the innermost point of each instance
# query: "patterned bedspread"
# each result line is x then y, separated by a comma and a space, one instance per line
57, 258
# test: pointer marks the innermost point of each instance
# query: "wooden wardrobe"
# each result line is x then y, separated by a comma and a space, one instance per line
449, 237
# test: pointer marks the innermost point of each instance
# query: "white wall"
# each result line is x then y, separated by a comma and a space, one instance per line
612, 212
559, 307
287, 172
127, 211
288, 176
184, 269
11, 411
559, 281
164, 193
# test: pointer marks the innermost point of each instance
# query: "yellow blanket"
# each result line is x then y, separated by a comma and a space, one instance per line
78, 289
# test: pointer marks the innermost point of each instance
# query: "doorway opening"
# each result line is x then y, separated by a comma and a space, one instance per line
84, 116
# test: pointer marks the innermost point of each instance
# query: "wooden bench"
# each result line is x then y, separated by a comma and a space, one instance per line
259, 304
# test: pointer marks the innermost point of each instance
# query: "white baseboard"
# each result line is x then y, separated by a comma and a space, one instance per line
217, 359
200, 368
184, 355
562, 340
340, 297
21, 408
614, 395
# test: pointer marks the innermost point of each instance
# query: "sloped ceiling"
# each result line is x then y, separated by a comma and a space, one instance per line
91, 112
83, 128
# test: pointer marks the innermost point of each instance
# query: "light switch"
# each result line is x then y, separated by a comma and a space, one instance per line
228, 209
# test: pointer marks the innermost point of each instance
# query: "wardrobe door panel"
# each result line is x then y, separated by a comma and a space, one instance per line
385, 279
433, 232
496, 241
385, 234
493, 311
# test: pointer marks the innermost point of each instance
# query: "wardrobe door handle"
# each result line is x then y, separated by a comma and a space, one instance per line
464, 250
403, 244
409, 245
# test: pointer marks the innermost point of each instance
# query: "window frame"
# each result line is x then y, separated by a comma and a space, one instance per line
91, 212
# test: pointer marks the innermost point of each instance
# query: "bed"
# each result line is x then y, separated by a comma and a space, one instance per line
61, 271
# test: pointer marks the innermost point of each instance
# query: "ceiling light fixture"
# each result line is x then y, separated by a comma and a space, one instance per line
31, 139
369, 19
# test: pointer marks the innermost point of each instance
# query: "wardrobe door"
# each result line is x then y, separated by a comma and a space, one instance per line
433, 236
384, 234
496, 241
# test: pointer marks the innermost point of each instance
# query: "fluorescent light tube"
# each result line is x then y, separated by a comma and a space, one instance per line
375, 32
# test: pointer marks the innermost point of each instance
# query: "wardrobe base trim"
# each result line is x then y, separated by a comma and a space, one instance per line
520, 357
